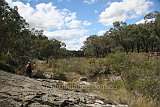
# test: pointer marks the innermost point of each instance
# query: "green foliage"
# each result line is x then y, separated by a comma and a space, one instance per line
96, 46
71, 65
24, 44
140, 74
126, 38
117, 61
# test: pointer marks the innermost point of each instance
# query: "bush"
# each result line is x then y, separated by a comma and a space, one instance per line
140, 75
117, 61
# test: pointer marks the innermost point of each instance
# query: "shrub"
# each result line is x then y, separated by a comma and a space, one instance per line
117, 61
141, 76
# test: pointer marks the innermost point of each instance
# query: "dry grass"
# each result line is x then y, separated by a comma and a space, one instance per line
74, 67
73, 77
143, 102
45, 67
121, 96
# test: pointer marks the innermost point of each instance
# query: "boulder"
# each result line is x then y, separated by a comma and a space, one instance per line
38, 74
84, 83
83, 79
48, 75
99, 102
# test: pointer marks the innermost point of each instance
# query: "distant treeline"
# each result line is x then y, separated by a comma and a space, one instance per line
18, 43
126, 38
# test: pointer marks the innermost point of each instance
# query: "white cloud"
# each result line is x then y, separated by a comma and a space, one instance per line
127, 9
100, 33
108, 3
70, 16
86, 23
95, 11
73, 24
145, 21
47, 17
75, 44
78, 24
90, 1
44, 16
65, 34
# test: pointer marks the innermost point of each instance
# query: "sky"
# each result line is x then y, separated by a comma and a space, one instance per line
72, 21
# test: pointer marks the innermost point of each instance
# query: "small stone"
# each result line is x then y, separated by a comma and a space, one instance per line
99, 102
83, 79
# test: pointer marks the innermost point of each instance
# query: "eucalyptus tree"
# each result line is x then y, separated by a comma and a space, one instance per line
154, 27
119, 35
51, 49
11, 26
96, 46
89, 47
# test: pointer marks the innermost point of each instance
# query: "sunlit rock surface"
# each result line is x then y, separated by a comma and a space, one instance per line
21, 91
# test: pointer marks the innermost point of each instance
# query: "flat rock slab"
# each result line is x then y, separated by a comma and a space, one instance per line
21, 91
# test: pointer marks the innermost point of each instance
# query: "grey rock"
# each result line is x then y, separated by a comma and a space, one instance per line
21, 91
99, 102
48, 75
38, 74
38, 105
83, 79
115, 78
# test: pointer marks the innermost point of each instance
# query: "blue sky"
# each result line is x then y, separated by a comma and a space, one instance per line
72, 21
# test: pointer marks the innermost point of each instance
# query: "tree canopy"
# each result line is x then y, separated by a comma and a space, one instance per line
143, 37
21, 43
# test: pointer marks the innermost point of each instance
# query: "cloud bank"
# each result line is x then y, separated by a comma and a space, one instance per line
53, 21
127, 9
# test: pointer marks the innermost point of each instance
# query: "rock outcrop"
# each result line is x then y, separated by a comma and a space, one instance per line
21, 91
48, 75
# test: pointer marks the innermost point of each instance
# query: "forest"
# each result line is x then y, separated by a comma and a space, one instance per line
20, 41
125, 49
